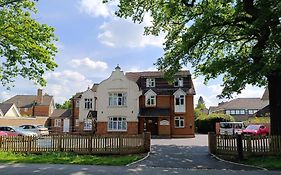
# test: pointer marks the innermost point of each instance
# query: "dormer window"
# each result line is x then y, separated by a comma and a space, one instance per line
150, 98
150, 82
178, 82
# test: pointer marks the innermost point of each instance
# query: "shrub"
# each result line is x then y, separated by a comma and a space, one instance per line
258, 120
205, 124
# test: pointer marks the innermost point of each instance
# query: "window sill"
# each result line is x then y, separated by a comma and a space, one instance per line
117, 130
117, 106
179, 127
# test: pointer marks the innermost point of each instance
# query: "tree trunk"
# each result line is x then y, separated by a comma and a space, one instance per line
274, 88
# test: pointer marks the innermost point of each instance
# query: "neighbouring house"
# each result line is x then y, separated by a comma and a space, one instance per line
240, 108
9, 110
265, 111
60, 121
34, 105
32, 109
165, 109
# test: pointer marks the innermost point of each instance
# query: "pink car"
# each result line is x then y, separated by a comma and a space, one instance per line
2, 133
256, 130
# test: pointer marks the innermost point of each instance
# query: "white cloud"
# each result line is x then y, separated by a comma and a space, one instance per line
124, 33
62, 85
90, 64
96, 8
251, 92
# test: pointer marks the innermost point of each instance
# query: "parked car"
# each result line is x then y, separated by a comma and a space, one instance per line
16, 131
231, 128
39, 129
256, 130
2, 133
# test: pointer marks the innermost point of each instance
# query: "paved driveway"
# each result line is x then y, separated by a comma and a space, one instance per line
189, 153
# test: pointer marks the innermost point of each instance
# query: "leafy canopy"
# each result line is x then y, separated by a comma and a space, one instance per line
26, 47
239, 39
65, 105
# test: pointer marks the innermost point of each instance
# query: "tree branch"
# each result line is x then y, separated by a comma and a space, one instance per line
9, 2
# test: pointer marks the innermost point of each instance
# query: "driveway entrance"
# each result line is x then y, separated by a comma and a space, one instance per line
191, 153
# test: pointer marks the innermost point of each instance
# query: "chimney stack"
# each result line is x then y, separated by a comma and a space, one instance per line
39, 96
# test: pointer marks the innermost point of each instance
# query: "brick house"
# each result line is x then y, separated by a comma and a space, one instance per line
165, 109
34, 105
60, 121
240, 108
33, 109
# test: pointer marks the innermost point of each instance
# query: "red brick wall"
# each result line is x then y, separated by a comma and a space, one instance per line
41, 111
132, 128
188, 130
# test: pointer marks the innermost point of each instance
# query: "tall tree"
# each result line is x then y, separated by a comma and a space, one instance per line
201, 103
65, 105
238, 39
26, 47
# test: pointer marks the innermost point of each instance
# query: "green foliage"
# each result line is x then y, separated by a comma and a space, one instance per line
201, 103
205, 124
67, 158
26, 47
258, 120
198, 113
240, 40
65, 105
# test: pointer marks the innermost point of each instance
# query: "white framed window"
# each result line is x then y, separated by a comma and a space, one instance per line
117, 99
178, 82
88, 103
180, 100
88, 125
150, 100
76, 122
77, 103
242, 111
117, 124
252, 111
150, 82
57, 123
227, 111
179, 122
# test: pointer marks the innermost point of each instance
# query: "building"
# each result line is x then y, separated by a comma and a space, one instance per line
135, 102
60, 121
240, 108
34, 105
165, 109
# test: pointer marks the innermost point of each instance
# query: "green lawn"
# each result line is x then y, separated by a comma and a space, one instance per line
268, 162
67, 158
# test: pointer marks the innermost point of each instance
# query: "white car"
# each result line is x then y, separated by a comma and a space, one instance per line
10, 130
39, 129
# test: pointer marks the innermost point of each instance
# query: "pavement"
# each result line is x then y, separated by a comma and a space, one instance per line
168, 156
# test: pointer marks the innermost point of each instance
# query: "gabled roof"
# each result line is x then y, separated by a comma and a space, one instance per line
61, 113
26, 101
134, 76
5, 107
241, 103
265, 95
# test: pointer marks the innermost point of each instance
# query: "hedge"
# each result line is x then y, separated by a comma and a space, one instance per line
205, 124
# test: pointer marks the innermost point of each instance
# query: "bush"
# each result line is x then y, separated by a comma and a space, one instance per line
258, 120
205, 124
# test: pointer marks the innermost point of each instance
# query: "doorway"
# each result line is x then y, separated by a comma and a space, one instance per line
151, 125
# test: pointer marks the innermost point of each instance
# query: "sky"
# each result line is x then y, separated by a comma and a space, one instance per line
92, 41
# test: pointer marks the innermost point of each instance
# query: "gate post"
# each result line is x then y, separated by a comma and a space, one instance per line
240, 147
147, 140
212, 142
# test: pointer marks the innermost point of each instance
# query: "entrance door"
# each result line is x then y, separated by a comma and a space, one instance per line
152, 125
66, 125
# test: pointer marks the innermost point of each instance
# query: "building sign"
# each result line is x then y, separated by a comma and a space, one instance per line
164, 122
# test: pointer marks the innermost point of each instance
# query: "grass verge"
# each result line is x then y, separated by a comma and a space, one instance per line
67, 158
268, 162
